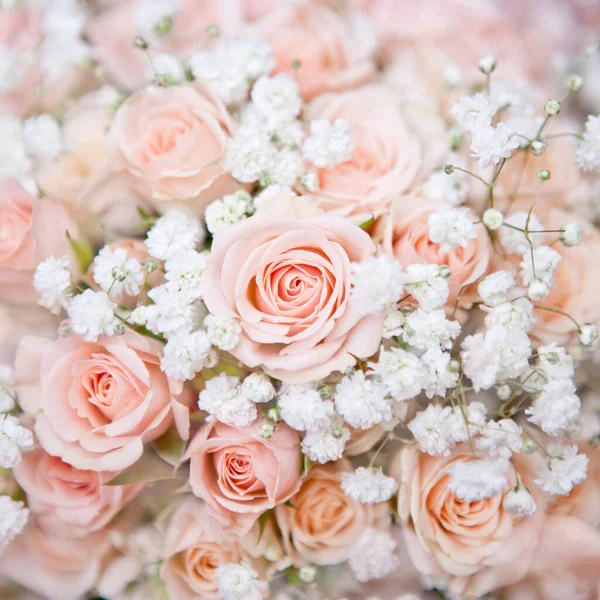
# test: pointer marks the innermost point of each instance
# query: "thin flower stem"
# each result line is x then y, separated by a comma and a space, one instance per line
379, 449
472, 175
559, 312
559, 135
537, 443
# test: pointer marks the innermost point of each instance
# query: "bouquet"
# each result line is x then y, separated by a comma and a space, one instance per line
299, 300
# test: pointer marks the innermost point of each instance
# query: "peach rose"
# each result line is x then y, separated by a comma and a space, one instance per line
170, 141
478, 545
196, 546
321, 40
239, 474
388, 158
322, 523
405, 235
67, 501
287, 279
27, 239
97, 403
55, 567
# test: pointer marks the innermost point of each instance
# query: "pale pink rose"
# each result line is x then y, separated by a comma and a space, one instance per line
389, 156
321, 41
477, 545
287, 280
55, 567
321, 524
195, 547
67, 501
405, 235
113, 30
239, 474
170, 141
27, 239
97, 403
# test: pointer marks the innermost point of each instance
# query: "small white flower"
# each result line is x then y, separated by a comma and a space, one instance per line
474, 112
368, 485
515, 241
92, 315
258, 388
42, 137
117, 274
476, 480
59, 54
538, 290
588, 334
233, 208
451, 228
64, 17
184, 273
426, 329
327, 443
239, 582
223, 332
565, 470
439, 376
372, 555
519, 503
487, 64
224, 401
427, 284
494, 289
249, 154
52, 282
13, 520
431, 429
361, 402
303, 409
394, 321
555, 363
513, 315
588, 150
329, 143
571, 234
170, 313
401, 372
541, 265
173, 232
466, 422
286, 168
278, 97
491, 144
493, 219
501, 438
14, 440
376, 281
165, 69
556, 408
185, 354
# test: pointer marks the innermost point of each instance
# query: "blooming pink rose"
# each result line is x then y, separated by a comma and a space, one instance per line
56, 567
388, 158
287, 280
27, 239
477, 545
321, 41
239, 474
170, 141
67, 501
196, 546
96, 403
406, 236
322, 522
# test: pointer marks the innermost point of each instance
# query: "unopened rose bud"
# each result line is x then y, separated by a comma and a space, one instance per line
538, 147
487, 64
552, 108
574, 82
543, 175
493, 219
588, 334
538, 290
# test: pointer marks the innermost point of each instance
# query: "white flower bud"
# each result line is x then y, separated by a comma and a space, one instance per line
538, 290
493, 219
552, 108
266, 430
274, 414
503, 392
544, 174
588, 334
574, 82
150, 267
571, 234
487, 64
453, 77
529, 446
518, 502
538, 147
449, 169
307, 574
137, 317
310, 181
445, 272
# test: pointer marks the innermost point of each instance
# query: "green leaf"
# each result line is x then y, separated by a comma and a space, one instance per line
170, 447
290, 504
306, 465
367, 223
146, 470
262, 523
83, 251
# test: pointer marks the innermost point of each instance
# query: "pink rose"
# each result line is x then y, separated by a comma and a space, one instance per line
239, 474
170, 141
196, 546
287, 280
27, 239
478, 545
67, 501
55, 567
321, 41
322, 522
406, 236
113, 30
98, 403
388, 158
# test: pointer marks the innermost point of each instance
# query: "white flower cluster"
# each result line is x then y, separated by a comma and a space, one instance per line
13, 520
451, 228
329, 143
368, 485
232, 208
476, 480
372, 555
239, 582
588, 150
14, 440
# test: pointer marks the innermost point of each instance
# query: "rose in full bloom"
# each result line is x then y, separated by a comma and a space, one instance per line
196, 545
286, 278
66, 500
320, 41
477, 545
96, 403
239, 474
170, 141
321, 523
27, 239
391, 154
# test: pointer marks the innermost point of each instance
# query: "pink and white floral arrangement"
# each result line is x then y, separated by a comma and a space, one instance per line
299, 299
